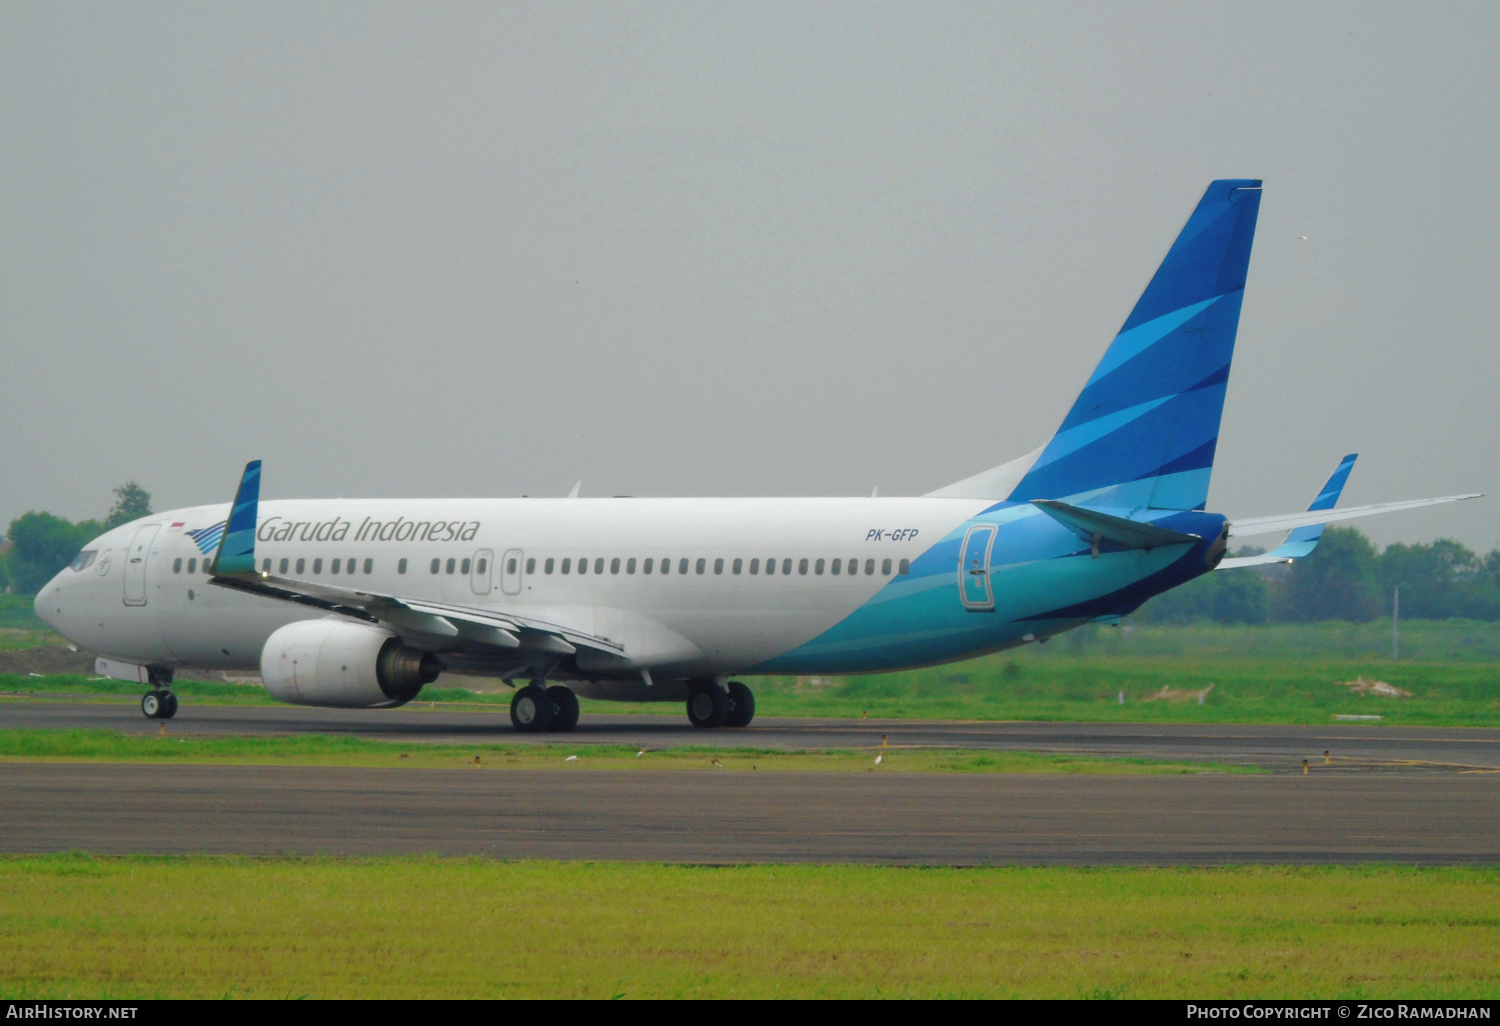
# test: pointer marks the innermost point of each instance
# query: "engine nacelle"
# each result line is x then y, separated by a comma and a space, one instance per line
345, 664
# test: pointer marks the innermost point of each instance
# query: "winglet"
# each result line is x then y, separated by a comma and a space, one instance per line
1302, 540
237, 548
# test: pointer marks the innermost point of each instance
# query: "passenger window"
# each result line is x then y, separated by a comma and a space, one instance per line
400, 566
302, 565
754, 566
786, 566
719, 565
177, 565
853, 567
646, 566
317, 566
836, 567
463, 567
567, 566
904, 567
818, 567
510, 566
265, 566
614, 565
547, 566
599, 565
885, 567
869, 567
530, 565
739, 564
283, 565
702, 564
666, 566
193, 566
630, 566
802, 566
583, 566
333, 567
452, 564
482, 566
682, 566
770, 567
437, 564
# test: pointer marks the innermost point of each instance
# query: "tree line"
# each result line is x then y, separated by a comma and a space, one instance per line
38, 545
1345, 578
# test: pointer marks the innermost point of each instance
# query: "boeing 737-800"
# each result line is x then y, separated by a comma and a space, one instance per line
360, 603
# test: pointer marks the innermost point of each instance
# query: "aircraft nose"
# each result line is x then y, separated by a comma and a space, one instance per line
48, 602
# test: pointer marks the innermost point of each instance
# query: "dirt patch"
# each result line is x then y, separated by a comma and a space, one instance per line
1167, 694
47, 659
1360, 686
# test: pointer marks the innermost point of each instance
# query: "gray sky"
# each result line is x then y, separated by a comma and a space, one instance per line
752, 249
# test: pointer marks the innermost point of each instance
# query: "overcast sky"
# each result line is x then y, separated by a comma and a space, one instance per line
710, 249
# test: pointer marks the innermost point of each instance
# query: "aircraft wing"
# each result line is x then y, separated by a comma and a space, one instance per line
1306, 529
1290, 521
234, 568
492, 628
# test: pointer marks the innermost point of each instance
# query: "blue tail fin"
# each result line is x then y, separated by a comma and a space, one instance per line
1143, 431
237, 549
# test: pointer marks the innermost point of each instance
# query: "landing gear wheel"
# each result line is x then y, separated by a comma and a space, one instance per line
159, 704
532, 709
707, 706
566, 704
741, 705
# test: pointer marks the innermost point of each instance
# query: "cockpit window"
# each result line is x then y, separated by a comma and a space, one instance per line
83, 560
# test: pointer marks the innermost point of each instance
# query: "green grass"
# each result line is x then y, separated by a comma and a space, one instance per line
18, 611
15, 639
1287, 673
323, 750
73, 926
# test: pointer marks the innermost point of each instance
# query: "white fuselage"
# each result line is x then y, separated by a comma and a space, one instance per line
716, 610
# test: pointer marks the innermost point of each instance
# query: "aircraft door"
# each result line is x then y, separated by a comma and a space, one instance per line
136, 558
480, 577
974, 569
510, 572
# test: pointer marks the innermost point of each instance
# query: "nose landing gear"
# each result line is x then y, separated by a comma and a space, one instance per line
159, 703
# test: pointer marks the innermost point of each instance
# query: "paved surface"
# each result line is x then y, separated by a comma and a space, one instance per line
949, 819
1354, 747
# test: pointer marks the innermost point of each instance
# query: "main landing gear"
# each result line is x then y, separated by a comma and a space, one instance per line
710, 705
537, 709
159, 703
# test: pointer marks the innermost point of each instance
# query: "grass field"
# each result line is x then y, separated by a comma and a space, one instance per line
75, 926
322, 750
1289, 673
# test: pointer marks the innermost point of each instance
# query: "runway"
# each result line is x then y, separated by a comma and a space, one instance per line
707, 817
1403, 794
1352, 747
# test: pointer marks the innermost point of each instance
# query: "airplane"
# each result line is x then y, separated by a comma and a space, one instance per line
360, 603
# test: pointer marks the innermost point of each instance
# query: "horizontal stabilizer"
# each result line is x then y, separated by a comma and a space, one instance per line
1291, 521
1091, 526
1301, 542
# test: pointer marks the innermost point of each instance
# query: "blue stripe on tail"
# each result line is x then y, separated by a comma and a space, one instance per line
237, 550
1143, 431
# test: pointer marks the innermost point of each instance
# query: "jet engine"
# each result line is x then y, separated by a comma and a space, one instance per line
345, 664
